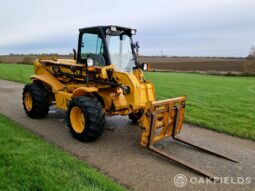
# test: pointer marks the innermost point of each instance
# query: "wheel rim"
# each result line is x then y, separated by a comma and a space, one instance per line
28, 101
77, 119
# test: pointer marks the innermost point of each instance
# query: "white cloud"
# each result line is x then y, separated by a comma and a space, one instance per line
179, 27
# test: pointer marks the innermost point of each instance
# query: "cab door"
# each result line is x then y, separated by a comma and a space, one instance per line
92, 47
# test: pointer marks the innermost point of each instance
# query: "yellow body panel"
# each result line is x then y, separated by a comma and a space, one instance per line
43, 75
62, 98
83, 91
140, 92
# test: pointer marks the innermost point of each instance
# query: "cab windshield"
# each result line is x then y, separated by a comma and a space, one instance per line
121, 52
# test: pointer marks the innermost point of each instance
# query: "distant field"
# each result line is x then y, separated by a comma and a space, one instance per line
225, 104
218, 65
22, 59
236, 66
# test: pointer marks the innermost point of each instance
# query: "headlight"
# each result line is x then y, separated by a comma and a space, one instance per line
113, 29
145, 67
90, 62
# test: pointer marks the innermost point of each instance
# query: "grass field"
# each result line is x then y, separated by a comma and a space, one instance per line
225, 104
16, 72
29, 163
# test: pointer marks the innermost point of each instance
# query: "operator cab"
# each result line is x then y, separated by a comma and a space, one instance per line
105, 45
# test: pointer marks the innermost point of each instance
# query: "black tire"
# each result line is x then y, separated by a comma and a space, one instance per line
135, 117
94, 116
40, 100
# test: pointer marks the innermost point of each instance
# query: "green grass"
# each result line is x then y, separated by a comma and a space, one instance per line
224, 104
29, 163
16, 72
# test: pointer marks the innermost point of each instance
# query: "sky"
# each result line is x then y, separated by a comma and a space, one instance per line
168, 27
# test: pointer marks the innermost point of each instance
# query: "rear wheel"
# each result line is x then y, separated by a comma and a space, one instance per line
35, 100
85, 118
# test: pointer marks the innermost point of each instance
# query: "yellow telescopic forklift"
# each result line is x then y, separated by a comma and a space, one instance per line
105, 79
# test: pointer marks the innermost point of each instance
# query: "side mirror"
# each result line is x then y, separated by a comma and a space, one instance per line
74, 54
90, 62
137, 46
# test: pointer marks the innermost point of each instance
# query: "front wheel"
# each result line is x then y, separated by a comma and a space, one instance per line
85, 118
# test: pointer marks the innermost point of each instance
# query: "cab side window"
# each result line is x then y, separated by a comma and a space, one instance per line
92, 47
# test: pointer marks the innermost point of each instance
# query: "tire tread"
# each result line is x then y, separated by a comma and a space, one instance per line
94, 115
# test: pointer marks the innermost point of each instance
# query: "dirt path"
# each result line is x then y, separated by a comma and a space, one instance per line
118, 154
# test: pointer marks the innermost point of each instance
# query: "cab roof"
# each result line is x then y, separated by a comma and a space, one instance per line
105, 27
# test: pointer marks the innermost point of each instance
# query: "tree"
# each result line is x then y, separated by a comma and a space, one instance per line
252, 53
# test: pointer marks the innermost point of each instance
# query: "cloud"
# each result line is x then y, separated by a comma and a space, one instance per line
178, 27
